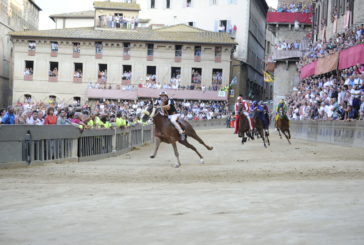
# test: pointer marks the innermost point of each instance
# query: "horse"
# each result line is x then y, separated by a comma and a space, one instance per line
244, 129
260, 127
282, 124
166, 132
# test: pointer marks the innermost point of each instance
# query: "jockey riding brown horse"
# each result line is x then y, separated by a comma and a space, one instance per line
282, 125
166, 132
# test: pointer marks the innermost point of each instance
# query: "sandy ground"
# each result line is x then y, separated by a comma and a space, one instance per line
304, 193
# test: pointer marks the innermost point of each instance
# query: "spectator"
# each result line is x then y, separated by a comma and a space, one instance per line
50, 119
9, 117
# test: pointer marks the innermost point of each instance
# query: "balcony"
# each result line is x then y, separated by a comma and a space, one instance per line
125, 82
101, 80
177, 59
126, 56
31, 52
286, 54
150, 58
218, 59
98, 56
197, 59
53, 79
77, 79
54, 53
28, 77
76, 55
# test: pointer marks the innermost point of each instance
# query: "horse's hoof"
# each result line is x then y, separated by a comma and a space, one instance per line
152, 156
177, 165
210, 148
202, 161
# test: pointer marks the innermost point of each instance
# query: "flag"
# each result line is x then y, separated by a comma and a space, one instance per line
267, 78
234, 81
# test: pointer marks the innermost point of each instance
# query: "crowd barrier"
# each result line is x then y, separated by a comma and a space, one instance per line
335, 132
26, 144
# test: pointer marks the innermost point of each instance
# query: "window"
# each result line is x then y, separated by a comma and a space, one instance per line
178, 50
151, 77
191, 23
152, 4
188, 3
31, 45
126, 72
53, 69
168, 4
126, 48
102, 73
197, 50
196, 77
98, 46
78, 70
216, 78
76, 48
175, 81
218, 51
29, 66
54, 46
150, 51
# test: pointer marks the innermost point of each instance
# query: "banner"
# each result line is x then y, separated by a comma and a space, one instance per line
281, 17
308, 70
351, 57
222, 94
327, 64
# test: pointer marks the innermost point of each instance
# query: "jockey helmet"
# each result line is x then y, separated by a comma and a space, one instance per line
163, 93
239, 99
254, 103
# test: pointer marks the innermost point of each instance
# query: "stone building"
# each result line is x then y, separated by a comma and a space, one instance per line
287, 28
15, 15
67, 64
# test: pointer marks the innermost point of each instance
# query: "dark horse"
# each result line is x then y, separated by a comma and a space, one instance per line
261, 127
282, 125
244, 129
167, 133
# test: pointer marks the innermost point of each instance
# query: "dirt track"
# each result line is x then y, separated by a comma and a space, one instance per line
306, 193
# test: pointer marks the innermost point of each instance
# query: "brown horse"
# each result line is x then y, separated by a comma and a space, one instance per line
282, 125
260, 127
244, 129
167, 133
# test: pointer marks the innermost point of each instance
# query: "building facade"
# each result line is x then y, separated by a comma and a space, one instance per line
336, 16
15, 15
65, 63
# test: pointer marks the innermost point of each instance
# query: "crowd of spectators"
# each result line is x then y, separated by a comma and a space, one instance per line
102, 114
296, 45
28, 71
298, 7
340, 42
118, 21
335, 96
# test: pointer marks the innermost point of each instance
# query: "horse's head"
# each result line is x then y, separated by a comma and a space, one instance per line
150, 112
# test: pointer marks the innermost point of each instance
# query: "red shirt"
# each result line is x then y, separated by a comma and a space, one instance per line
49, 120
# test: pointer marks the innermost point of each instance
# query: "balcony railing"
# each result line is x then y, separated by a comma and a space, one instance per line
54, 53
77, 79
76, 55
31, 52
286, 54
177, 59
53, 78
150, 58
28, 77
197, 59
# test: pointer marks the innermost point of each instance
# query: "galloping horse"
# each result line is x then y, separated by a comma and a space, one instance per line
282, 124
260, 127
244, 129
167, 133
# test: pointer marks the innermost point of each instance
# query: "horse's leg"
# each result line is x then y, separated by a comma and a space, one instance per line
178, 164
157, 143
261, 133
188, 145
194, 135
279, 132
284, 132
289, 133
267, 135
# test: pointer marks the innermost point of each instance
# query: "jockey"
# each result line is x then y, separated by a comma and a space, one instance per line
246, 110
237, 108
261, 112
281, 107
168, 106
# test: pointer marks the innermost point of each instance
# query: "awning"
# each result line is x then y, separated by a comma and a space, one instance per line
278, 17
